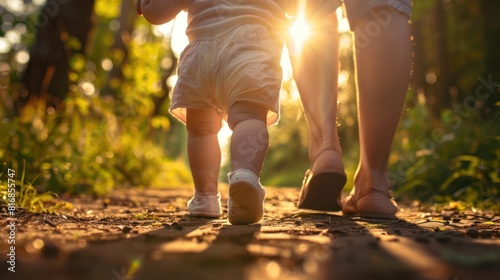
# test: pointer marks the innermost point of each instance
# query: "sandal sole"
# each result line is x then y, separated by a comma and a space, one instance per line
368, 215
317, 193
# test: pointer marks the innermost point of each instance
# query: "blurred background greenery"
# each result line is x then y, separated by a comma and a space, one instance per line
85, 91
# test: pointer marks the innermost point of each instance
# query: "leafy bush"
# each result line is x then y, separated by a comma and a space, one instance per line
85, 147
455, 158
106, 132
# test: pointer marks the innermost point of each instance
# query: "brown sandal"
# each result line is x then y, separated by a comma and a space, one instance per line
321, 191
381, 205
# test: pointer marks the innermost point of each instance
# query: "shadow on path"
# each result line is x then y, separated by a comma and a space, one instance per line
287, 244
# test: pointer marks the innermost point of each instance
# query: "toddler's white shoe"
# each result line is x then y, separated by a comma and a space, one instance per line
246, 198
205, 206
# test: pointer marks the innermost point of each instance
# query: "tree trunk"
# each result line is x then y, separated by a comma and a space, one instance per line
490, 10
127, 19
46, 74
443, 98
418, 83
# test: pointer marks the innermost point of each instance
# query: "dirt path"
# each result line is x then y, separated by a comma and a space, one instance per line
148, 235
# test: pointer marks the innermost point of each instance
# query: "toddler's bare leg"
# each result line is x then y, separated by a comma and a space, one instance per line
249, 145
250, 139
203, 149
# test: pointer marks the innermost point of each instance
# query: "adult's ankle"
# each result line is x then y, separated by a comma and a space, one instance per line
369, 180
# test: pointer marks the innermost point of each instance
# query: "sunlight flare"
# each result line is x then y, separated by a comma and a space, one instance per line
179, 37
299, 33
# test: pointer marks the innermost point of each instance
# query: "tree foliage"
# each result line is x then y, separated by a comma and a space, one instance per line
448, 147
105, 131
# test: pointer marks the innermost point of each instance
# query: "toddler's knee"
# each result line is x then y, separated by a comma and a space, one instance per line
242, 111
205, 128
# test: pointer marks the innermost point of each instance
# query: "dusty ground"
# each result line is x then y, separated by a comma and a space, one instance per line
148, 235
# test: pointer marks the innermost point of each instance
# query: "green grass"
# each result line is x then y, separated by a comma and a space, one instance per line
28, 197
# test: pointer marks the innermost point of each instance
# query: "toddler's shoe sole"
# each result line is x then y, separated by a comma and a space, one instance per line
205, 214
247, 205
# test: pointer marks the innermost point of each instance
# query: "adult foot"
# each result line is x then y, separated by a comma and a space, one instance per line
370, 204
322, 185
370, 197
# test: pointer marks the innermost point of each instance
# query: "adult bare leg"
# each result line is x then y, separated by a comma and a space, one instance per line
315, 71
383, 63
